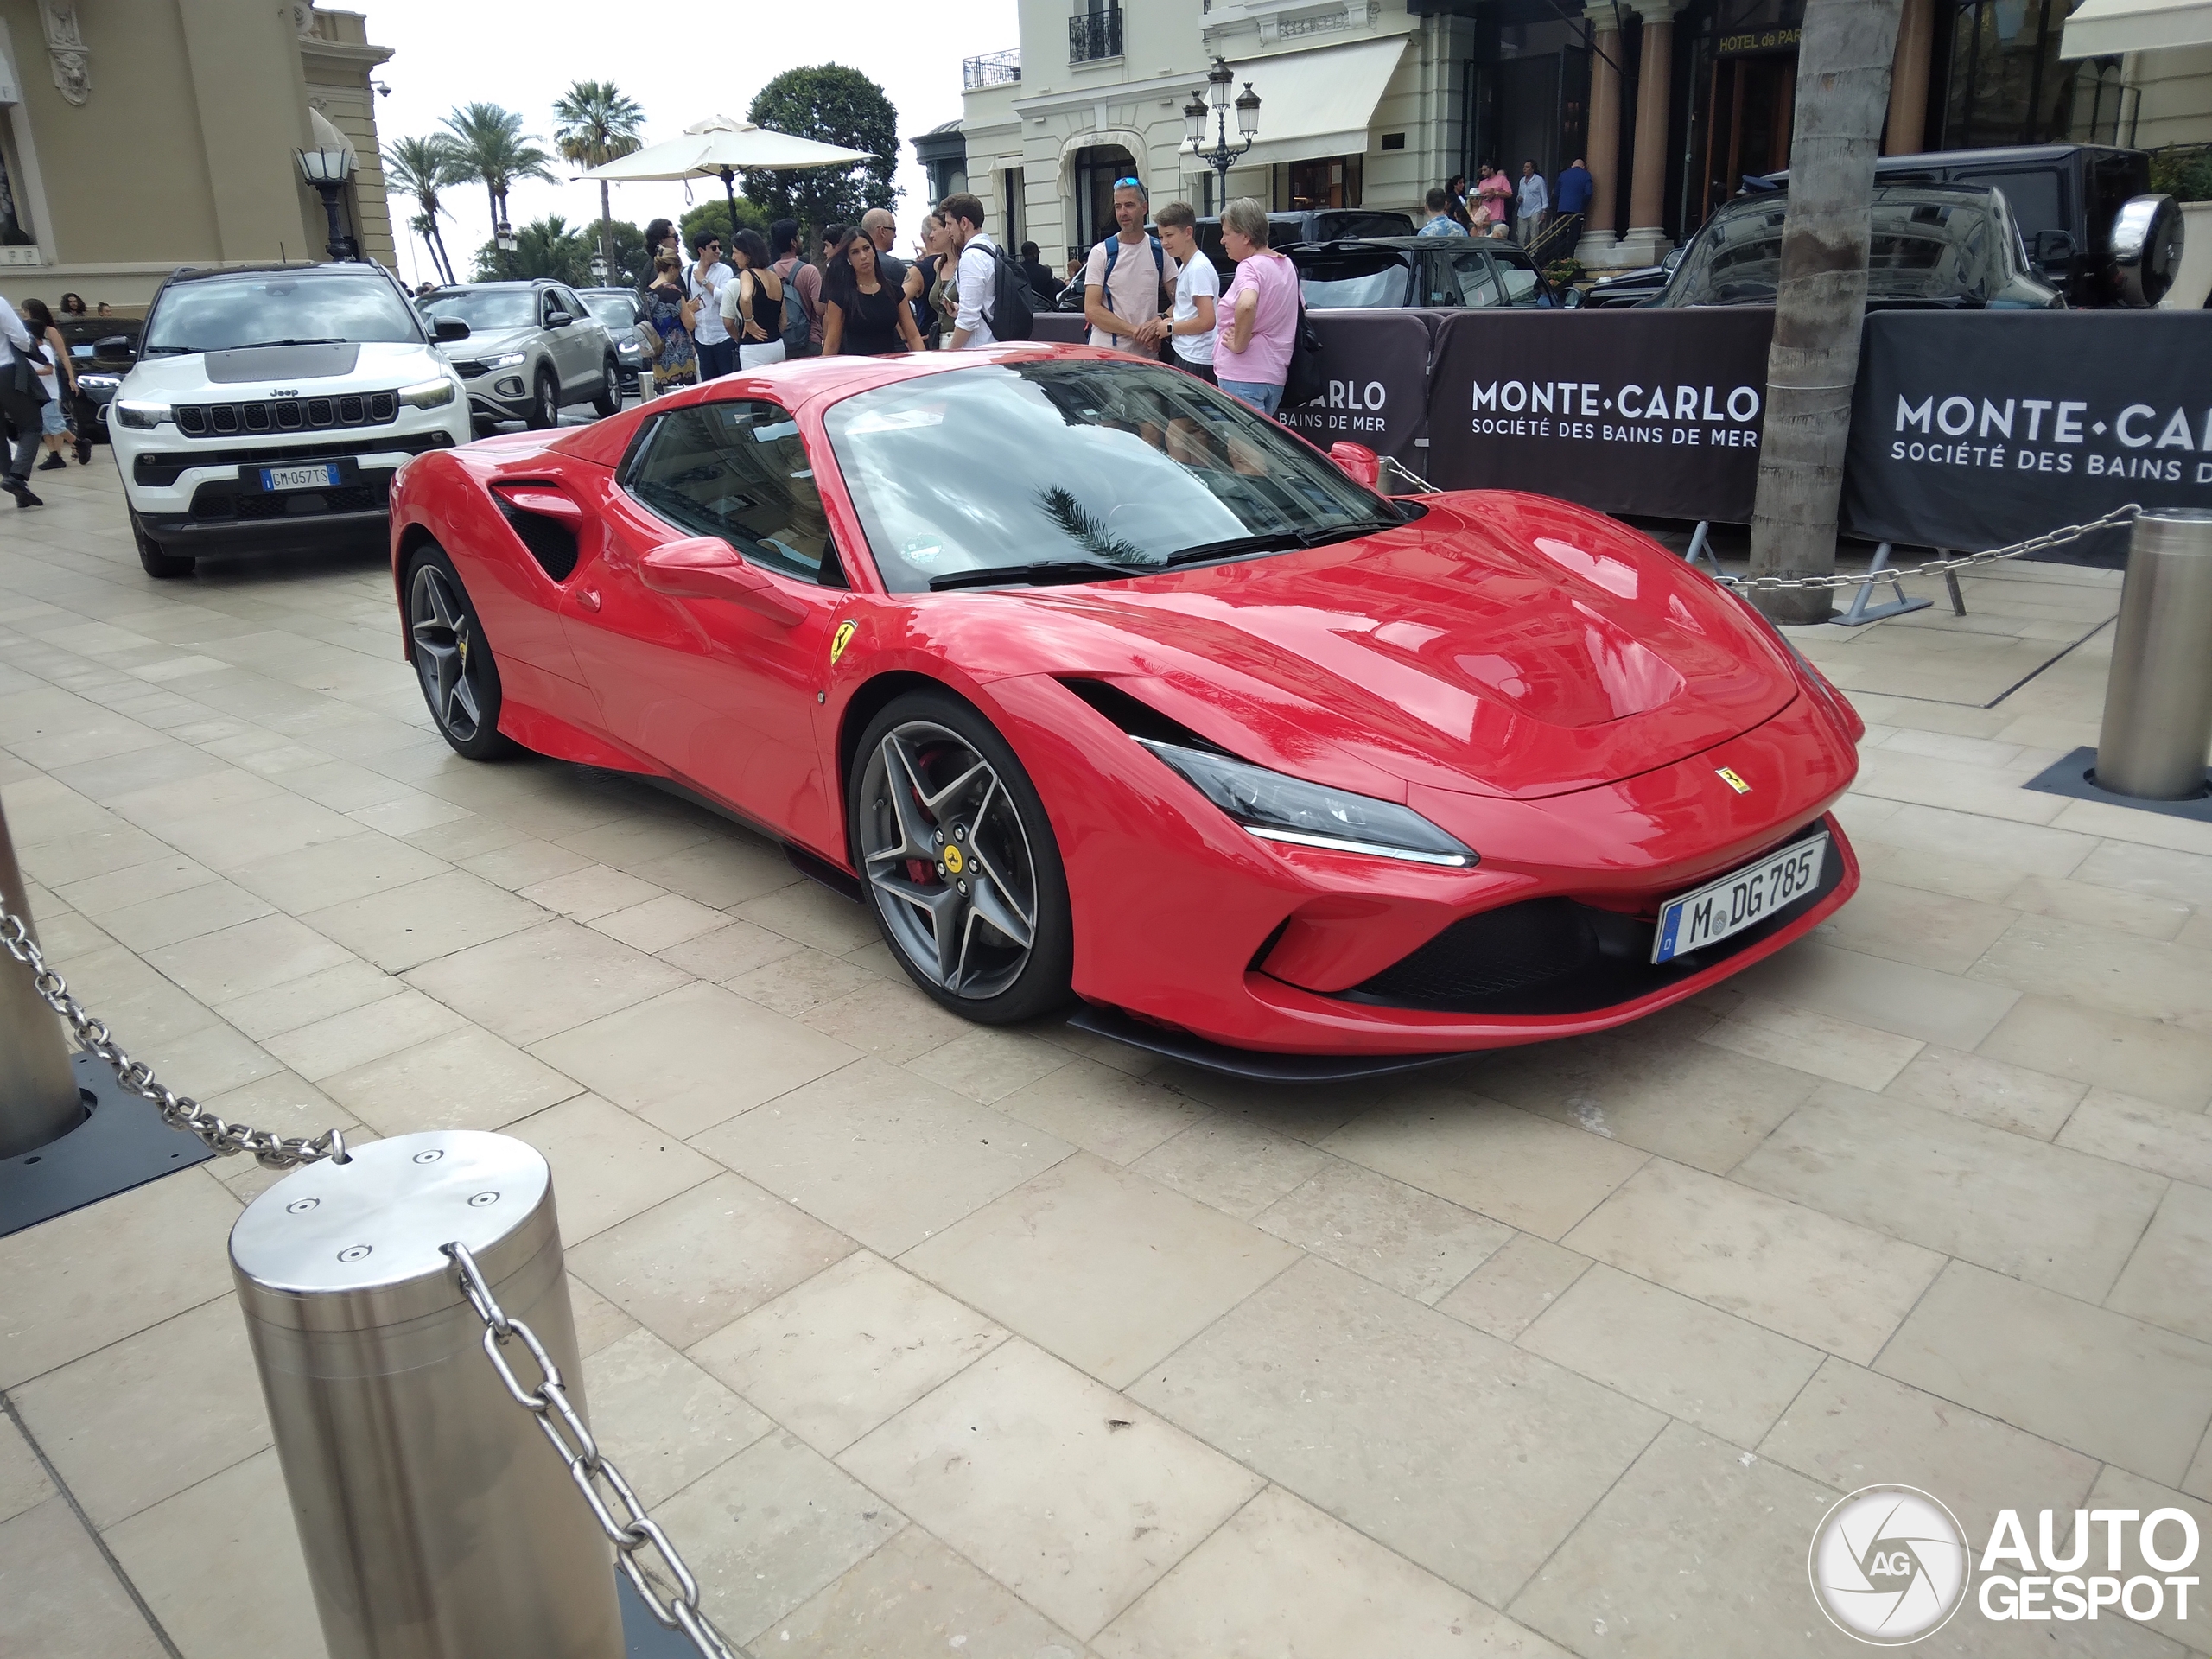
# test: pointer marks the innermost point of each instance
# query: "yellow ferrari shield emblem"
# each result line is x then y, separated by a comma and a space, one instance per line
953, 860
1727, 775
840, 639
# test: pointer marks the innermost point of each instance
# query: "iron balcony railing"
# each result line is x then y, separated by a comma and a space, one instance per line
991, 69
1093, 35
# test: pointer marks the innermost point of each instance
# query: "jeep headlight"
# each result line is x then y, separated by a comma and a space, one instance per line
137, 412
1276, 807
100, 382
428, 394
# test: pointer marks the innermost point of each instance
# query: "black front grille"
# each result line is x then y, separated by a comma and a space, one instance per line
159, 468
287, 415
226, 501
469, 368
1557, 955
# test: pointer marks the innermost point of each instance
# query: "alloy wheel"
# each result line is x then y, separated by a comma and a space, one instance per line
549, 403
445, 635
945, 850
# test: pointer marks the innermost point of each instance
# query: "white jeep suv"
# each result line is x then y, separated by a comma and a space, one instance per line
269, 407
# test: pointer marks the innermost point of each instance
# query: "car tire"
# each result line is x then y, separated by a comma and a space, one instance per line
980, 851
544, 402
608, 401
454, 661
152, 559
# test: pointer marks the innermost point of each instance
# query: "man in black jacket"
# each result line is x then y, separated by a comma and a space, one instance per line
19, 398
1042, 282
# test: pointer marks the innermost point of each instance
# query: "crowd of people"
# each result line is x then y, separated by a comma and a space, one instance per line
39, 395
1525, 209
1148, 290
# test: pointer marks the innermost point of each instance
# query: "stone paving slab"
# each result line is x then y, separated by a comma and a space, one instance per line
924, 1338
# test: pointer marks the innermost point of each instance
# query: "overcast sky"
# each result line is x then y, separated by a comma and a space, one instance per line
682, 63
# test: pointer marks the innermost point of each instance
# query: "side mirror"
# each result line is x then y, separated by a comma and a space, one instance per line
2146, 248
445, 330
707, 567
2054, 251
559, 320
1572, 298
1673, 258
1358, 463
117, 347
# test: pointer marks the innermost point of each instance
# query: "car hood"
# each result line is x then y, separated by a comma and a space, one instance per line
1501, 645
186, 379
491, 342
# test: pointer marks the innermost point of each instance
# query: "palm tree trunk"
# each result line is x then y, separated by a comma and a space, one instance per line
1843, 95
606, 228
438, 248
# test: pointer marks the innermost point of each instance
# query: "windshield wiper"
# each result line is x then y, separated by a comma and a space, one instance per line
331, 339
1279, 540
1039, 573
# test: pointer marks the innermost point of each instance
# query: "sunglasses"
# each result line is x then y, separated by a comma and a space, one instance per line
1129, 184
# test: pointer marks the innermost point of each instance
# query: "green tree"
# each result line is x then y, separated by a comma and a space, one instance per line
598, 124
831, 105
491, 145
423, 167
546, 247
715, 216
629, 267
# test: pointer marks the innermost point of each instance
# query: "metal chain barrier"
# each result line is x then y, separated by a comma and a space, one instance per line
271, 1149
677, 1608
2117, 517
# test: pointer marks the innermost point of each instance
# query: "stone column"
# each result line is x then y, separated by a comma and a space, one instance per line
1646, 240
1599, 233
1907, 132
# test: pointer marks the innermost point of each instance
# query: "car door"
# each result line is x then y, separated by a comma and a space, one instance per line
719, 690
564, 322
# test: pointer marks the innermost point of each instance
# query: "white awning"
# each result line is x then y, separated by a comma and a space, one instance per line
2106, 28
1318, 103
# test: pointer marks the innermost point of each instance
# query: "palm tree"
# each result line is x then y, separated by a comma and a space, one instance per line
598, 122
421, 167
491, 145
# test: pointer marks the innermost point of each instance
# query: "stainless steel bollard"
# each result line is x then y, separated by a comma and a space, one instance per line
2158, 720
39, 1102
436, 1521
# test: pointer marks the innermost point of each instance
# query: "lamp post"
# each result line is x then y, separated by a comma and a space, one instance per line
328, 167
1216, 103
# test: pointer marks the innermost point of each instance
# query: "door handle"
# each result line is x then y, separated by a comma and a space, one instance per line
588, 599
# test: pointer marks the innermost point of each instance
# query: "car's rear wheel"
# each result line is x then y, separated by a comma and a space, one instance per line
452, 660
152, 559
959, 860
609, 398
545, 401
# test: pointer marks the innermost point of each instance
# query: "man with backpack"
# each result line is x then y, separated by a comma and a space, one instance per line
802, 281
1127, 285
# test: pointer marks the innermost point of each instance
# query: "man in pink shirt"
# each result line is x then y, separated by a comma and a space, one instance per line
1258, 313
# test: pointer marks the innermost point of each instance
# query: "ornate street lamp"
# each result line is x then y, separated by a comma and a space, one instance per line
328, 167
1217, 103
504, 237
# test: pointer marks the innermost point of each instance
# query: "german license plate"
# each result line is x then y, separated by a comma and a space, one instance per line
1741, 898
321, 476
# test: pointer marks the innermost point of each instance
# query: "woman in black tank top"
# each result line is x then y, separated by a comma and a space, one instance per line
862, 315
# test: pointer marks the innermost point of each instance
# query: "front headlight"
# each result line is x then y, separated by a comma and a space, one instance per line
428, 394
511, 361
1276, 807
99, 382
132, 412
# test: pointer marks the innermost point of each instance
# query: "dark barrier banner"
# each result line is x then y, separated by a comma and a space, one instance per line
1376, 392
1060, 327
1643, 410
1971, 429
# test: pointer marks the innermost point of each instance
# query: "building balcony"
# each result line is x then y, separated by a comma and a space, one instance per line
991, 69
1094, 36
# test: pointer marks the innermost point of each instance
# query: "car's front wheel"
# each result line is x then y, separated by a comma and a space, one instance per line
545, 401
609, 399
151, 559
959, 860
452, 660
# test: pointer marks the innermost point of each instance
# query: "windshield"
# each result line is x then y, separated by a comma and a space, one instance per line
615, 310
1341, 282
268, 308
487, 311
1926, 245
1006, 466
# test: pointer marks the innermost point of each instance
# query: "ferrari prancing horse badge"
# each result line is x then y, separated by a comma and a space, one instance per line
840, 639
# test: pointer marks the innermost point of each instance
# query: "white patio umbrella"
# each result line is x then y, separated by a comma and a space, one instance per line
717, 147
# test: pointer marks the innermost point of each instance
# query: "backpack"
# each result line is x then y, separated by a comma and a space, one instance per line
1304, 381
798, 328
1014, 304
1113, 252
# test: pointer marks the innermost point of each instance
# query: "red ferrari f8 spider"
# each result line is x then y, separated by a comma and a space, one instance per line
1093, 684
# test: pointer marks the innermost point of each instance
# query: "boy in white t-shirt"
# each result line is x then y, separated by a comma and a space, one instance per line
1197, 286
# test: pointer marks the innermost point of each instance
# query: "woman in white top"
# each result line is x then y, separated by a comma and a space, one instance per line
753, 303
58, 375
1197, 286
